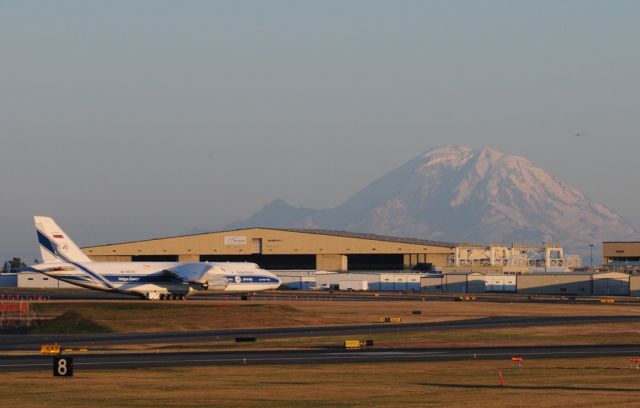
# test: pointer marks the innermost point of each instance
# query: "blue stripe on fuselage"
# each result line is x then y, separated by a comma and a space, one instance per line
251, 279
51, 247
83, 278
150, 278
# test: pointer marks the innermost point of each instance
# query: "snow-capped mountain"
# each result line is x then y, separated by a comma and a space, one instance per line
458, 194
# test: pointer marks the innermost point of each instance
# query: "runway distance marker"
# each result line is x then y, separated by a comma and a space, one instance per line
63, 367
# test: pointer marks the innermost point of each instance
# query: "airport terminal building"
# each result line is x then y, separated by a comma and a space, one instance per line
287, 249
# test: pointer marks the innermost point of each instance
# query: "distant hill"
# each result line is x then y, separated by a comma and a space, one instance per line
458, 194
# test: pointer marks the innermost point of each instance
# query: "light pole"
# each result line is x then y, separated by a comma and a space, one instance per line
591, 255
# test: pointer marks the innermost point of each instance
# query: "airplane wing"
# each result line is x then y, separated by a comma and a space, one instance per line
190, 273
43, 270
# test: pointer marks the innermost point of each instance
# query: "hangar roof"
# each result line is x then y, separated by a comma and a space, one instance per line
362, 235
346, 234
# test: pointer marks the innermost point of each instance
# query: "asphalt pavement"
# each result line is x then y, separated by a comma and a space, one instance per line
33, 342
323, 356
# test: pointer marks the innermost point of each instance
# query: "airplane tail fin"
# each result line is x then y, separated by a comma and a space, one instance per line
55, 244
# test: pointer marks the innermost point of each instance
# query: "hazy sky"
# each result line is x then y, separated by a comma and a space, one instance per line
132, 119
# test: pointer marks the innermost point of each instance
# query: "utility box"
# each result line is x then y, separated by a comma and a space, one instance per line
500, 283
354, 285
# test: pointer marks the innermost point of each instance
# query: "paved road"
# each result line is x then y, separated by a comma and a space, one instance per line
317, 356
383, 296
394, 296
33, 342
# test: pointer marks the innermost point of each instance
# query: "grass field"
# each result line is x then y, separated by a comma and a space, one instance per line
544, 382
194, 315
125, 316
582, 334
567, 383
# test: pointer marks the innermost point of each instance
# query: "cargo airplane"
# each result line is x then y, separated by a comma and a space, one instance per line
63, 260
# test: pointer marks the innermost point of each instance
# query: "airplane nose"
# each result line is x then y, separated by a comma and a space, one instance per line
278, 282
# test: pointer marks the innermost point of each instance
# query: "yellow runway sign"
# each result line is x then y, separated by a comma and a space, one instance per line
50, 349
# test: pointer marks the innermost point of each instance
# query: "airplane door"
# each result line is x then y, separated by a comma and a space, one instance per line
256, 246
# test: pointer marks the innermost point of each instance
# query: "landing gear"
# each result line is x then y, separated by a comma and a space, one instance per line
164, 296
170, 296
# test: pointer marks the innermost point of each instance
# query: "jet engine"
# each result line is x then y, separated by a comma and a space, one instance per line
218, 284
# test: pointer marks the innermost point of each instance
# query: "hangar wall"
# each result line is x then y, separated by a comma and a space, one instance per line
279, 249
38, 280
335, 262
564, 284
634, 285
375, 281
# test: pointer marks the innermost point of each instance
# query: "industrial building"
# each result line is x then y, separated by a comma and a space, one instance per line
514, 259
538, 283
339, 251
286, 249
375, 281
621, 253
461, 282
304, 259
597, 284
32, 280
570, 284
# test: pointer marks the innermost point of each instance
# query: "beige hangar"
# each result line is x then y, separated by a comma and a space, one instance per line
286, 249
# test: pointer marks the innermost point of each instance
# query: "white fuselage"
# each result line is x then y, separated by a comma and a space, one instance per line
162, 277
65, 261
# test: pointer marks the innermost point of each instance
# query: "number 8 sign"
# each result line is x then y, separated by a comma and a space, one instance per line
63, 367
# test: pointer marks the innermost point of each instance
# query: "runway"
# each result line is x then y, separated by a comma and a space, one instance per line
324, 356
274, 296
33, 342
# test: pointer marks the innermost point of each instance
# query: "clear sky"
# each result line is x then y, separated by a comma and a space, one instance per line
132, 119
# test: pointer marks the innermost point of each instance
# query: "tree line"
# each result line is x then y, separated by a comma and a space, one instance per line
15, 262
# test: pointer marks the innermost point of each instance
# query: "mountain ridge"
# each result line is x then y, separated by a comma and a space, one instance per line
455, 193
